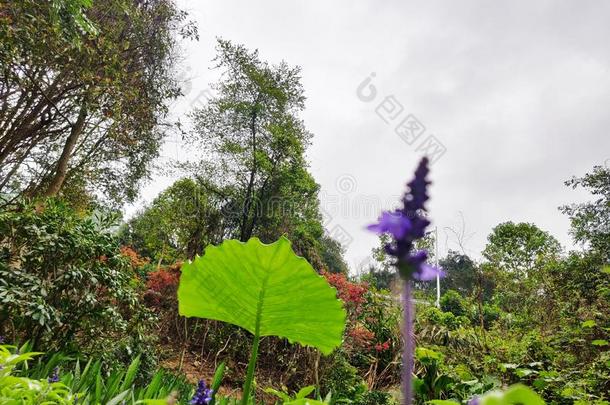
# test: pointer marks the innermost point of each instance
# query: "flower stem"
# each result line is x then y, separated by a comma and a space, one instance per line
407, 352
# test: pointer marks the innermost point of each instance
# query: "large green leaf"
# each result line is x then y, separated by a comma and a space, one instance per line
269, 287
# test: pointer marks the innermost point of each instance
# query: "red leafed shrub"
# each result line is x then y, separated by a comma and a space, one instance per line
135, 259
352, 294
382, 347
360, 337
162, 285
161, 280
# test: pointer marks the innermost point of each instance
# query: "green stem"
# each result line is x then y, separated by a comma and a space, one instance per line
251, 367
255, 342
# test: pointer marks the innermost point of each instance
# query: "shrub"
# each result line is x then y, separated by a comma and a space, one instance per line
161, 287
375, 398
491, 313
351, 293
432, 382
380, 315
341, 379
453, 302
65, 284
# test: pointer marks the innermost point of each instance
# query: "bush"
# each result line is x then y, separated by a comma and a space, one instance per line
64, 283
351, 293
375, 398
341, 379
491, 313
161, 287
453, 302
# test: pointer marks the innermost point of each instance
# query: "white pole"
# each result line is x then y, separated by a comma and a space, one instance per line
438, 278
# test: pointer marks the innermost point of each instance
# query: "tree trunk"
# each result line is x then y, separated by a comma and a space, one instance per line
62, 164
195, 245
245, 232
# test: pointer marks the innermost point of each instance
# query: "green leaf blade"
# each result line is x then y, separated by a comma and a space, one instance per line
231, 280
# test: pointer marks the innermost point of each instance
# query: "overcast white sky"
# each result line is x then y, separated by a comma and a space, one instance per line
517, 92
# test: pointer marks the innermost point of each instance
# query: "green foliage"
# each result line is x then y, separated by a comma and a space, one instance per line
26, 384
382, 273
431, 382
381, 316
517, 394
177, 225
453, 302
70, 16
87, 85
463, 275
342, 379
514, 395
284, 396
305, 402
519, 249
491, 314
255, 146
375, 398
65, 284
86, 92
22, 390
332, 255
590, 219
519, 258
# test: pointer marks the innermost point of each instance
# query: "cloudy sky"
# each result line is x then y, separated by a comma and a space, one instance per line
510, 98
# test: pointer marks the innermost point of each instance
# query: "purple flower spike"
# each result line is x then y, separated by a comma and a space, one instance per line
394, 223
407, 225
417, 259
203, 395
427, 273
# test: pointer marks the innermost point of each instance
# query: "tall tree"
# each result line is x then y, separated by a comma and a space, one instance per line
254, 144
520, 248
332, 255
591, 220
518, 258
461, 273
84, 108
178, 224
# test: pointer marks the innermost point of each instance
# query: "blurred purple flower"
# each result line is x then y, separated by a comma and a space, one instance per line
427, 273
474, 401
203, 395
408, 224
55, 376
394, 223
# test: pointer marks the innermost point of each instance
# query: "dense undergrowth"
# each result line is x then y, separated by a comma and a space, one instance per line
471, 344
